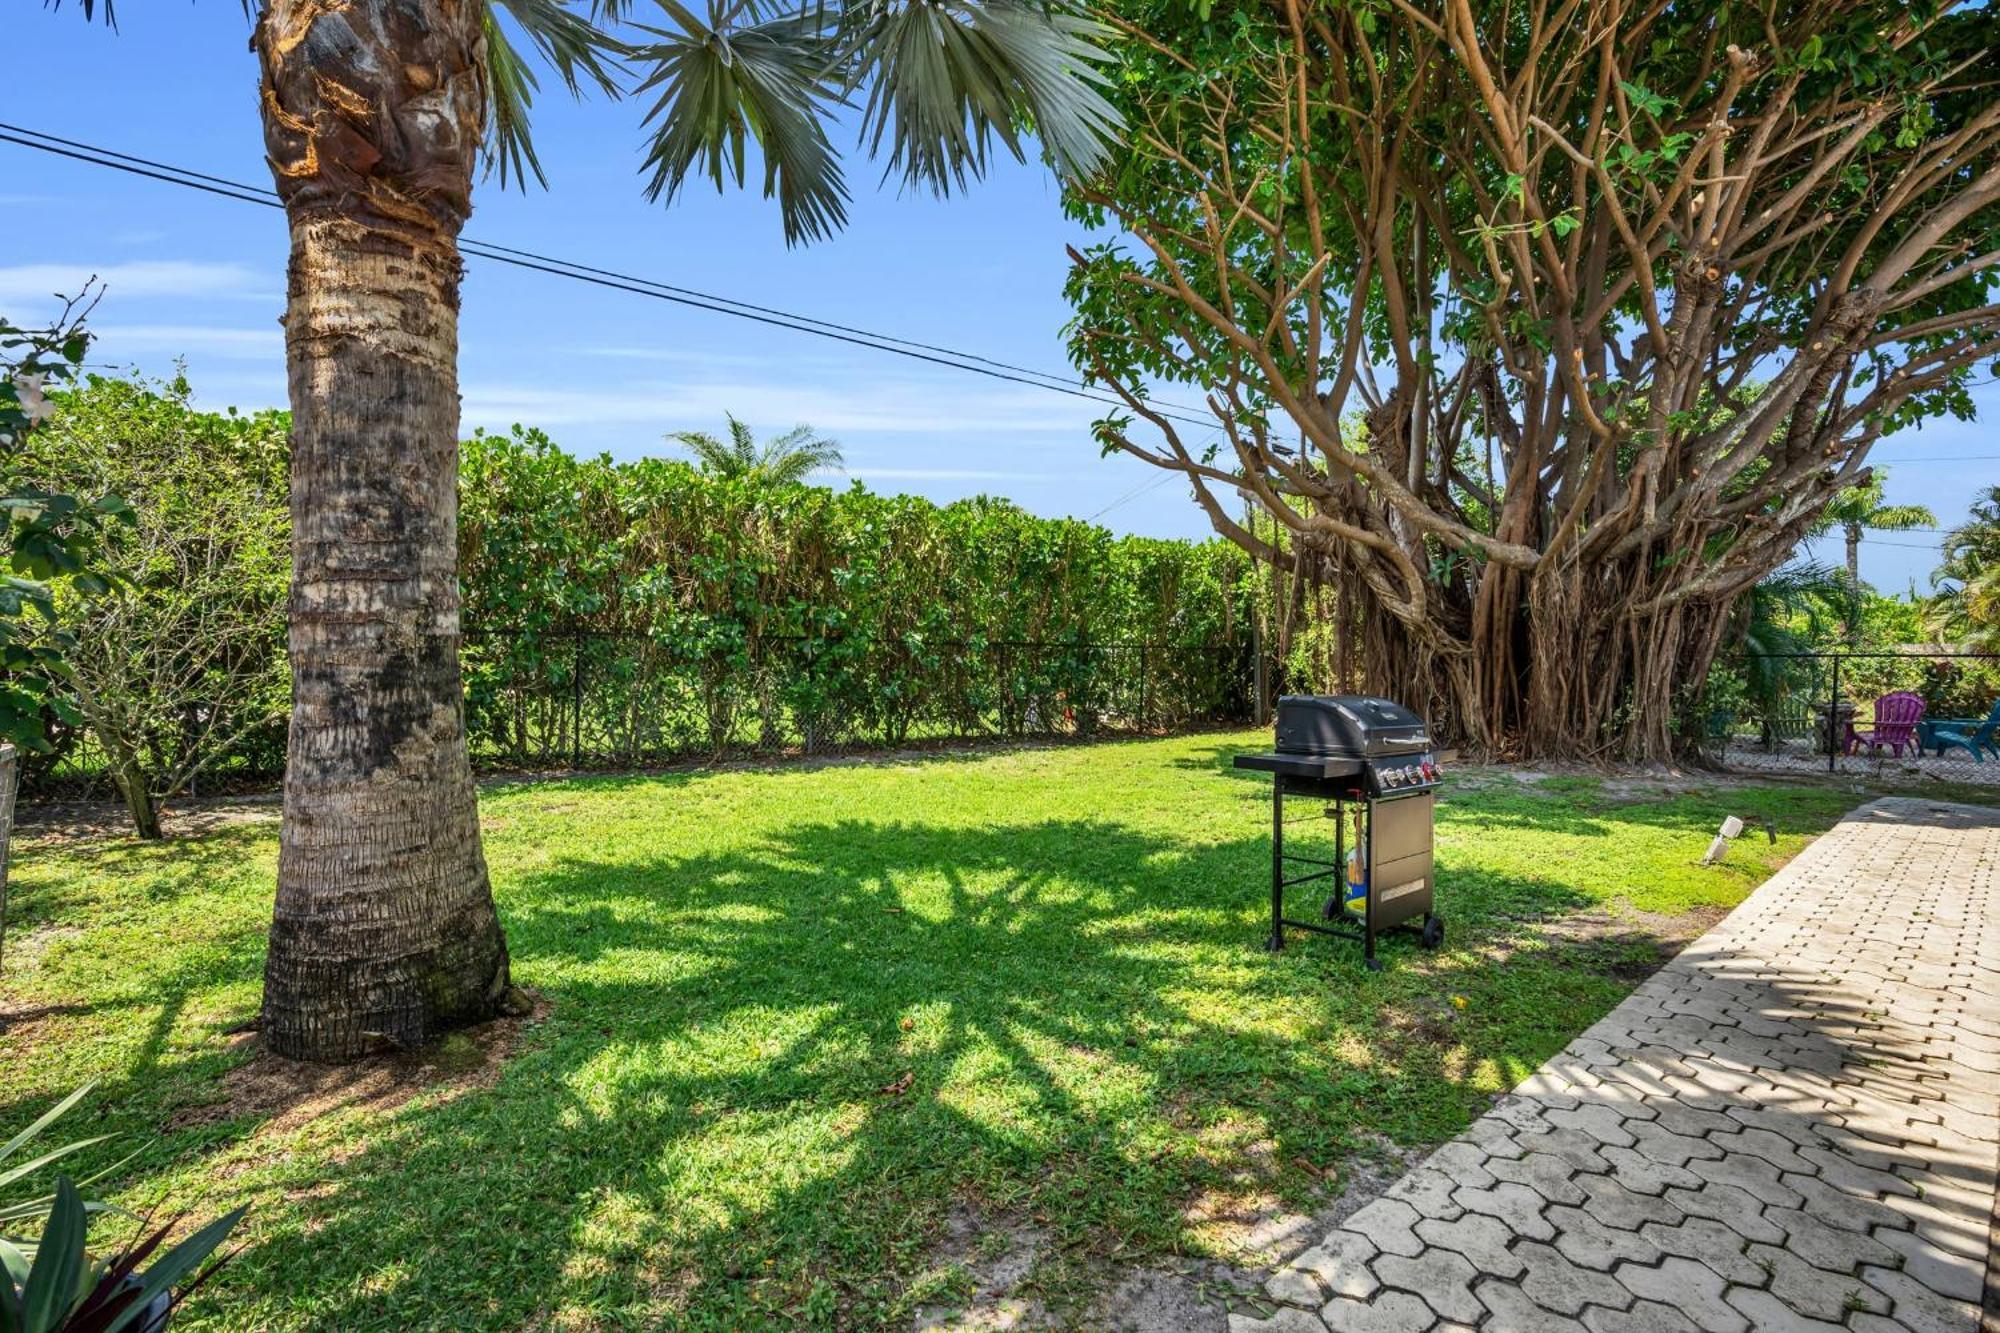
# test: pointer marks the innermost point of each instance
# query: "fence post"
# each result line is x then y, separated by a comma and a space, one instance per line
1835, 733
576, 702
1145, 688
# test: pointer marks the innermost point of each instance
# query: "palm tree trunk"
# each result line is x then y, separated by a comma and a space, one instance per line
384, 930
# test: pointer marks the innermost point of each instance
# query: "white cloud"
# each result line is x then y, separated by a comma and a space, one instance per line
118, 340
38, 283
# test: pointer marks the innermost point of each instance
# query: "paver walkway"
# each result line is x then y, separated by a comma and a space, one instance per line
1790, 1126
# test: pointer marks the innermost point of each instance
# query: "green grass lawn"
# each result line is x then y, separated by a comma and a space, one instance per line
795, 1017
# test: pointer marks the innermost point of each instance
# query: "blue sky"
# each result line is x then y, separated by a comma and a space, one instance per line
196, 276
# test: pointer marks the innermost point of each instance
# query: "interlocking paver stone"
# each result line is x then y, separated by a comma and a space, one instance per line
1917, 1307
1616, 1205
1341, 1262
1658, 1143
1822, 1246
1844, 1208
1554, 1283
1390, 1312
1642, 1175
1746, 1171
1768, 1314
1588, 1242
1516, 1205
1814, 1291
1295, 1286
1482, 1240
1951, 1275
1790, 1126
1544, 1173
1694, 1289
1444, 1277
1514, 1311
1643, 1317
1387, 1222
1428, 1190
1710, 1242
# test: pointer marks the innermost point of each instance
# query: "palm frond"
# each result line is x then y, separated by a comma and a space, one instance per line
1899, 518
794, 456
574, 45
92, 8
947, 77
773, 79
710, 454
581, 52
742, 439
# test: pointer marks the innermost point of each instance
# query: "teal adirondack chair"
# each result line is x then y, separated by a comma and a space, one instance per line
1985, 736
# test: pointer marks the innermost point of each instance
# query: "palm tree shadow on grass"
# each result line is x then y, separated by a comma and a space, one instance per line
781, 1066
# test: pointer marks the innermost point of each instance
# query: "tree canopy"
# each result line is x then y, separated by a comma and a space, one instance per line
1547, 330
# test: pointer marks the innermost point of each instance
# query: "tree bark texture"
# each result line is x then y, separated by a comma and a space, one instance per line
128, 775
385, 931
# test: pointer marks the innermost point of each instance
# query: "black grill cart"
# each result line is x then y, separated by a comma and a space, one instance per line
1374, 758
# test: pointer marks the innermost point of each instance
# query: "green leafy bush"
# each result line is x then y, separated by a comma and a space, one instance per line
658, 609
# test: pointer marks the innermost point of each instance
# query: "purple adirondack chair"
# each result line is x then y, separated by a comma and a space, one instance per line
1896, 718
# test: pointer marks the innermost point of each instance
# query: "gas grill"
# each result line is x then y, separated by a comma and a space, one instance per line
1370, 759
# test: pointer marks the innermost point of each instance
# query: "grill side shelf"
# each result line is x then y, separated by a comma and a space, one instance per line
1300, 765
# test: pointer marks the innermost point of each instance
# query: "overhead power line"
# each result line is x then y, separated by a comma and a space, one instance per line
951, 358
555, 266
1144, 488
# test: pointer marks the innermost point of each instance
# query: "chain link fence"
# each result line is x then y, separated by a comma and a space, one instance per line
607, 700
1907, 713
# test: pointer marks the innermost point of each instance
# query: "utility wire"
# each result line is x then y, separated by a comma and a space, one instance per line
1144, 488
951, 358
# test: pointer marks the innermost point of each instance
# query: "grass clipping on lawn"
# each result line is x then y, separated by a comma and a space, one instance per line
798, 1024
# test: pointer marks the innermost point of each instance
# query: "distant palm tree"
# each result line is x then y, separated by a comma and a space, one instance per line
1790, 611
1860, 507
1966, 610
786, 460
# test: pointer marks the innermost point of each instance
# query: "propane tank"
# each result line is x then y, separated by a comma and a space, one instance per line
1356, 898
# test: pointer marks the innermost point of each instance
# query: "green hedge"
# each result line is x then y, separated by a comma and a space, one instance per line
628, 611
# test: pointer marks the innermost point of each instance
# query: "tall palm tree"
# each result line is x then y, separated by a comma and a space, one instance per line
1966, 610
375, 114
1860, 507
785, 460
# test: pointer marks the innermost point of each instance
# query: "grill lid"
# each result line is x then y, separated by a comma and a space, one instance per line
1356, 725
